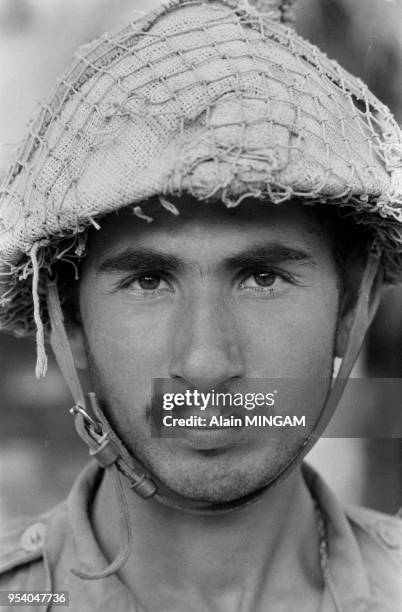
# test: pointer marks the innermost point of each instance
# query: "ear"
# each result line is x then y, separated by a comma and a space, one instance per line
352, 288
76, 339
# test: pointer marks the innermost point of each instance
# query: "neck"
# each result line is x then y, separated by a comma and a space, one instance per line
233, 561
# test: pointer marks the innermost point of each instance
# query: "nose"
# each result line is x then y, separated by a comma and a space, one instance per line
206, 347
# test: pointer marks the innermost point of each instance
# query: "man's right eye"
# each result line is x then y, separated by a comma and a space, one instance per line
145, 285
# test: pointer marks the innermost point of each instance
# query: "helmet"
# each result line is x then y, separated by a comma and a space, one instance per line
211, 99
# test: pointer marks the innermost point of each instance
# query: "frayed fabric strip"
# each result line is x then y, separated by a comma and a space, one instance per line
41, 357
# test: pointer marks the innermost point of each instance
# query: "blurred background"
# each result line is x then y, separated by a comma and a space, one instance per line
40, 454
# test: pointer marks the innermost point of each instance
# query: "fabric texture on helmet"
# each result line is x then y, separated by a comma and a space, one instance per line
210, 99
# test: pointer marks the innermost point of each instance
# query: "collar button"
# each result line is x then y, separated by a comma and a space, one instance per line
33, 537
390, 534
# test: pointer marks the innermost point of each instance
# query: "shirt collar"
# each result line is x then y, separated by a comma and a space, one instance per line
72, 543
347, 587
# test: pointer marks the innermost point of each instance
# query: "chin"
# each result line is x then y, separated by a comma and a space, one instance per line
215, 484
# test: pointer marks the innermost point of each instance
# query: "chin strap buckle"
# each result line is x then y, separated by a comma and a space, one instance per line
106, 453
100, 445
104, 450
92, 425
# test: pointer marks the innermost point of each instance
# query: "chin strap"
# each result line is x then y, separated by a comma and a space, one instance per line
109, 451
104, 445
363, 315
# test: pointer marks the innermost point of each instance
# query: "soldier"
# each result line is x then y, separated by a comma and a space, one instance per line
207, 200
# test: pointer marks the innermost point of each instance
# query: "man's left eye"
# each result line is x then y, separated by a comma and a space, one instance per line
149, 282
264, 279
261, 279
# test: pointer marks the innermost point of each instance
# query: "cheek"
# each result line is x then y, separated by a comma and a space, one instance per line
126, 349
295, 339
291, 347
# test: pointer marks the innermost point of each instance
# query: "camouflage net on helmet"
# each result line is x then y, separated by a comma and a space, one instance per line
210, 99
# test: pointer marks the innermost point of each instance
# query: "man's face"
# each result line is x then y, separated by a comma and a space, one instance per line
210, 299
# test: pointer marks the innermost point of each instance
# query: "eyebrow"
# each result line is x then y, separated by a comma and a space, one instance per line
150, 259
140, 259
273, 254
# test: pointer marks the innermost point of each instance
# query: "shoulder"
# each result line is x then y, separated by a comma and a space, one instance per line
379, 537
21, 554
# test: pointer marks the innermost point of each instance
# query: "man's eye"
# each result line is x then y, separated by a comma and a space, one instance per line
267, 283
261, 279
149, 282
145, 285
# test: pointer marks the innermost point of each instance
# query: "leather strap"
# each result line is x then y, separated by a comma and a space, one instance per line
61, 345
363, 314
104, 445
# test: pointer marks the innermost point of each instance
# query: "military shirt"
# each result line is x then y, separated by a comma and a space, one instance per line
364, 572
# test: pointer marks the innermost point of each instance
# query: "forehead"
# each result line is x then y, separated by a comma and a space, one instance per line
200, 226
